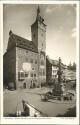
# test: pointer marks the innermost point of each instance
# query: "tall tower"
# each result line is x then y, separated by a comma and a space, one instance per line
38, 30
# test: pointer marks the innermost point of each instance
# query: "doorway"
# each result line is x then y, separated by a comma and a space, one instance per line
24, 85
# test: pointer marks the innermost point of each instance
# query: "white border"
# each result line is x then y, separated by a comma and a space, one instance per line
38, 2
0, 52
53, 120
1, 58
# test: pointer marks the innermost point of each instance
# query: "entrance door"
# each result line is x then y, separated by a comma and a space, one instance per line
24, 85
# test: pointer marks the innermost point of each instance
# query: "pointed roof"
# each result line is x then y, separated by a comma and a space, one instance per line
38, 10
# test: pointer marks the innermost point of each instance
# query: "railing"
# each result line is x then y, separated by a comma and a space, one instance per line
41, 113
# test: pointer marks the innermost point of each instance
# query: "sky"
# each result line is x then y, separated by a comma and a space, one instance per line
61, 27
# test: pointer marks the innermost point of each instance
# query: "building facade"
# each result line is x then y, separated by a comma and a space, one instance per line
52, 71
24, 60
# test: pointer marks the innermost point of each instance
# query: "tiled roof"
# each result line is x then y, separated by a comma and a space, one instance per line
23, 43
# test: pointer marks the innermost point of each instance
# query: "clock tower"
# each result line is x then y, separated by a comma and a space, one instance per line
38, 30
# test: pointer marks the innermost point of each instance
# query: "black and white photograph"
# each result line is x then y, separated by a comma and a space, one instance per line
39, 60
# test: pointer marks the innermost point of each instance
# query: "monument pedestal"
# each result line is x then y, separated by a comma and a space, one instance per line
57, 90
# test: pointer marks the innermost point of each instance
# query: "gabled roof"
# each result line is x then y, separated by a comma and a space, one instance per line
22, 43
50, 61
55, 63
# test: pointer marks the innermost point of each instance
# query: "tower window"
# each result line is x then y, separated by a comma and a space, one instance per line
34, 75
42, 55
35, 61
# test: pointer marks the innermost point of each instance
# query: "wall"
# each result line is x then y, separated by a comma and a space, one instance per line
54, 72
34, 34
25, 56
9, 67
38, 30
42, 51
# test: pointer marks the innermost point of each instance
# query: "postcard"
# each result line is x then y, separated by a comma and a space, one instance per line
39, 62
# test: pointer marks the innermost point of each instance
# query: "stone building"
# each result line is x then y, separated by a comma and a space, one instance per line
24, 60
51, 70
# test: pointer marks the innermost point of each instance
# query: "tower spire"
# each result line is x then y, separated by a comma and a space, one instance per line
38, 10
39, 18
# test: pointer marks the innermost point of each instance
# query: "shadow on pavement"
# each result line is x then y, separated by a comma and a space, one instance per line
33, 93
10, 115
70, 113
61, 102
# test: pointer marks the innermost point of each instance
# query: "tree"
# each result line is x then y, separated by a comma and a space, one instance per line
72, 66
